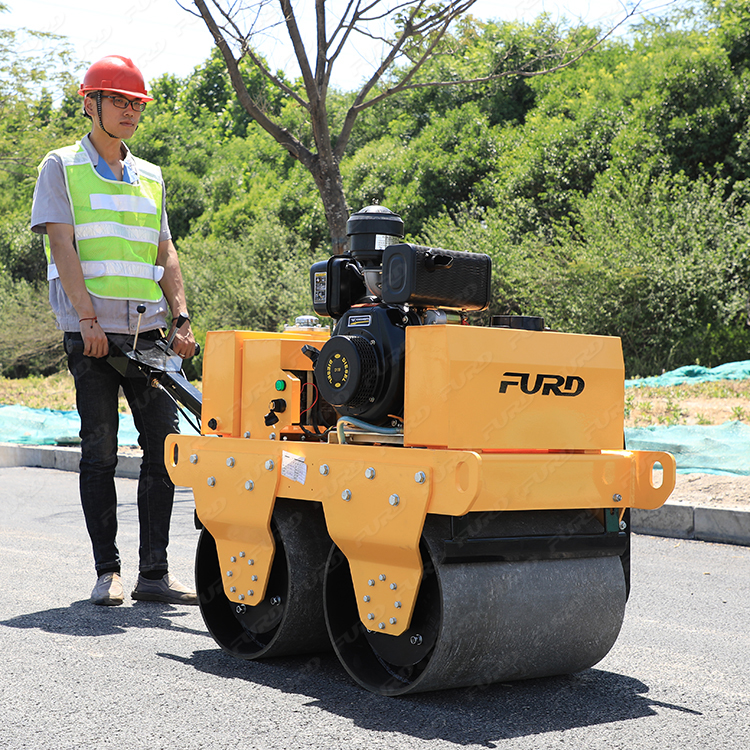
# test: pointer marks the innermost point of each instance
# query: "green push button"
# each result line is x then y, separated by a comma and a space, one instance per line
280, 385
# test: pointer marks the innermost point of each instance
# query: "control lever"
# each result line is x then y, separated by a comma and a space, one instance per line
311, 353
181, 320
141, 309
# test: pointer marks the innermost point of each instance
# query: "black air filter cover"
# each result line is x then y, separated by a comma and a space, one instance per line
431, 277
370, 230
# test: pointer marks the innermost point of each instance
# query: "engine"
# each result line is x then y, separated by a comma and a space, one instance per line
373, 293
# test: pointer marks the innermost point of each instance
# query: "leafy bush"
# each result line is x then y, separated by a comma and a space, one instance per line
258, 282
29, 340
662, 264
21, 251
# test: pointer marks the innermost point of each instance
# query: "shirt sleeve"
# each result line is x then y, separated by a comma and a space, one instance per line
164, 233
50, 203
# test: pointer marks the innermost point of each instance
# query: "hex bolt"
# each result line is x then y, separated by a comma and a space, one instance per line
246, 435
269, 465
382, 576
233, 589
249, 485
416, 640
397, 605
275, 601
253, 578
381, 625
250, 592
370, 616
242, 554
230, 462
211, 481
194, 458
324, 469
394, 499
623, 526
392, 620
251, 562
232, 559
420, 477
617, 498
229, 574
366, 598
370, 473
240, 609
346, 495
371, 582
241, 597
394, 586
272, 436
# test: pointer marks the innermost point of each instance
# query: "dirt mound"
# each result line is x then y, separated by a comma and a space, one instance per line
712, 490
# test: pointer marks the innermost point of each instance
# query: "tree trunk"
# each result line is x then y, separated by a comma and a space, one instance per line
327, 176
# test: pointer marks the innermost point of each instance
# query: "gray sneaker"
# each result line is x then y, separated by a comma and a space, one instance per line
167, 589
108, 590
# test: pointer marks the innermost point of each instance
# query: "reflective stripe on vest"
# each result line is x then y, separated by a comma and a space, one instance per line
93, 269
117, 227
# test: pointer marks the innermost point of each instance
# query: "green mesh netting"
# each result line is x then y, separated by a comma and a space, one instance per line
701, 449
707, 449
20, 424
695, 374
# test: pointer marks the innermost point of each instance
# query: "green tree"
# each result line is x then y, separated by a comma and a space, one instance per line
415, 32
32, 121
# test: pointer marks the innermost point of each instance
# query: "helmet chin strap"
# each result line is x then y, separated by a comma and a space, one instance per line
99, 112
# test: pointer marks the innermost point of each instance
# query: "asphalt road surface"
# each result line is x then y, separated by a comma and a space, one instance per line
147, 675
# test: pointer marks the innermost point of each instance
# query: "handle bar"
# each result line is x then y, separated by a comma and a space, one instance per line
74, 346
158, 363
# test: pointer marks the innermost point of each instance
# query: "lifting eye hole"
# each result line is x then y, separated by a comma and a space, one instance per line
175, 454
657, 475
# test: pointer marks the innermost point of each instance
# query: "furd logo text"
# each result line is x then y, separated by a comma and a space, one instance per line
546, 385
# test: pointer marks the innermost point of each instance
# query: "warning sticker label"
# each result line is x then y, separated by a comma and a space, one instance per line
293, 467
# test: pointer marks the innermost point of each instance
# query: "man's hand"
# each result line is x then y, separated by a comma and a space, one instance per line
95, 343
174, 291
61, 241
184, 341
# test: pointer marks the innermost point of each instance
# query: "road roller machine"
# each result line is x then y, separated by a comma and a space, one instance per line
443, 504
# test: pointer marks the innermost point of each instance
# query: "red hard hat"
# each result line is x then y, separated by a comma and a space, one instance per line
118, 74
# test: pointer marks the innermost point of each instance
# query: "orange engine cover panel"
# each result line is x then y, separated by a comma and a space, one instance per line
503, 389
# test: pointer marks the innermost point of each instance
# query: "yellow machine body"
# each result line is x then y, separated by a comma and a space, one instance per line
494, 420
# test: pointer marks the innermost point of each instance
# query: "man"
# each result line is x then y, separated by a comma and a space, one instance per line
108, 244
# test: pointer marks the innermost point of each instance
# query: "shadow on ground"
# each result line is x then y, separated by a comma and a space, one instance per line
480, 715
84, 619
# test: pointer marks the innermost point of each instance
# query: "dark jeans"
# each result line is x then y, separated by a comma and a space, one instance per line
155, 416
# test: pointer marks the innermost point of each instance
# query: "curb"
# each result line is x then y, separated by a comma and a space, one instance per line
700, 522
675, 520
62, 459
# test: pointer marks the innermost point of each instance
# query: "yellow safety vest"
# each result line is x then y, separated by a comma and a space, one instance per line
116, 226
